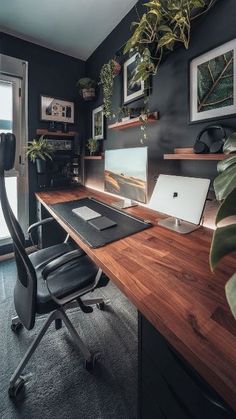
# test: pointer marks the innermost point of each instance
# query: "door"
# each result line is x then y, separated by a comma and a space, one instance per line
16, 179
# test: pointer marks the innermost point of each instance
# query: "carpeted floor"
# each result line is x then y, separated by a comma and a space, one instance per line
57, 385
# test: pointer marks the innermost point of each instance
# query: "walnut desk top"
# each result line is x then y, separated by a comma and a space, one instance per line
167, 277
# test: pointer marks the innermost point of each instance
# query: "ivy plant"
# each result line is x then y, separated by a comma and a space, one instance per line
224, 238
107, 76
165, 23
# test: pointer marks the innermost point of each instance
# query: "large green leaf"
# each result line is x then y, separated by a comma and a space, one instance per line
225, 183
227, 208
224, 164
223, 243
230, 144
230, 290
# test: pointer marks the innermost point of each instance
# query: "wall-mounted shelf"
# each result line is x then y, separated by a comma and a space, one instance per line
94, 157
188, 154
133, 122
56, 133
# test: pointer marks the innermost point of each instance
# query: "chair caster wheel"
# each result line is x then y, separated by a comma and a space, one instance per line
15, 390
90, 365
16, 326
101, 306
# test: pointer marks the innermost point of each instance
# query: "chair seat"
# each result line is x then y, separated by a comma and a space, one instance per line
72, 277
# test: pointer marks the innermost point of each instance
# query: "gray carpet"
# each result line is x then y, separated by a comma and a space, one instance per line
57, 385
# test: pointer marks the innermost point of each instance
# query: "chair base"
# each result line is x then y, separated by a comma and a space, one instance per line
58, 316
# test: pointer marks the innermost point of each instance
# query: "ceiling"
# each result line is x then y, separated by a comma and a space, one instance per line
73, 27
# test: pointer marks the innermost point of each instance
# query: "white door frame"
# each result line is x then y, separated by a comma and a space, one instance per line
16, 72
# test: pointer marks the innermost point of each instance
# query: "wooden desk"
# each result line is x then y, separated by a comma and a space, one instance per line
167, 277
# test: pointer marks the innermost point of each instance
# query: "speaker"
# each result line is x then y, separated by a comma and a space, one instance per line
201, 146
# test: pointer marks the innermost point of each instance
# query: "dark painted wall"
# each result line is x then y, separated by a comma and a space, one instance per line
50, 73
169, 96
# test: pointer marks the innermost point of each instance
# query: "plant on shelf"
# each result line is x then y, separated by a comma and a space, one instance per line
39, 152
165, 23
92, 145
107, 74
86, 88
224, 238
124, 113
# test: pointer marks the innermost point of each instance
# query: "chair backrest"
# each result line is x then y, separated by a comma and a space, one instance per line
26, 284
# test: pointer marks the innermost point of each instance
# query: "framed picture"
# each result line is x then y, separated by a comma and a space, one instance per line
98, 123
55, 109
132, 91
213, 83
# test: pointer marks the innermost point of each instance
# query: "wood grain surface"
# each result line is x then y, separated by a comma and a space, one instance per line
167, 277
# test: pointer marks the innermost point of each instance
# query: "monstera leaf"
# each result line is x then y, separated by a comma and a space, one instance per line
215, 86
225, 183
227, 208
230, 144
223, 243
230, 290
225, 164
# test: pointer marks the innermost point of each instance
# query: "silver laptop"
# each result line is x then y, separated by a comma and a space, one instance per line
183, 198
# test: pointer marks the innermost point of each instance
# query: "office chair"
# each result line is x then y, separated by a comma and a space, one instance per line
50, 280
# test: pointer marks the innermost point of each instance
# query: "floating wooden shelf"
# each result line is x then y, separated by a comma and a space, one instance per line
188, 154
133, 122
56, 133
94, 157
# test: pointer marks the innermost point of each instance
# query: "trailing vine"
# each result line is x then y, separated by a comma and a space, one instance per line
165, 23
107, 76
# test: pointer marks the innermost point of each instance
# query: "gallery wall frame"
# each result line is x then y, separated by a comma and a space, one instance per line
98, 123
131, 92
212, 84
56, 109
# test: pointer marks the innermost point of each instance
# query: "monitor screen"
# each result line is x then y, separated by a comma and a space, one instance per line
180, 197
126, 172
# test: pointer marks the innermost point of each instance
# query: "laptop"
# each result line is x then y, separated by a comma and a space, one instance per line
182, 198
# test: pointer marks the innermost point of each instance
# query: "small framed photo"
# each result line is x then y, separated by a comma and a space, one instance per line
98, 123
57, 110
213, 83
132, 91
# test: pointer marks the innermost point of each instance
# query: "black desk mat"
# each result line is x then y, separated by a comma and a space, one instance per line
126, 223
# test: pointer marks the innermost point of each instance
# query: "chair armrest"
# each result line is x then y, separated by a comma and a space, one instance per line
60, 261
39, 223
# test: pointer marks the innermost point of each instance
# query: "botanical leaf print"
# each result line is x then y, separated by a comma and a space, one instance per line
215, 83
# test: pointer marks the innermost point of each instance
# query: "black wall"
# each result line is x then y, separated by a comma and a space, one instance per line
50, 73
169, 96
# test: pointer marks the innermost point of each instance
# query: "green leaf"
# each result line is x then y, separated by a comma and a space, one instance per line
224, 164
225, 183
230, 144
223, 243
227, 208
230, 291
166, 39
164, 28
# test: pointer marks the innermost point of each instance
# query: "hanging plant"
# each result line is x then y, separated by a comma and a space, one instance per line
165, 23
224, 239
86, 88
107, 74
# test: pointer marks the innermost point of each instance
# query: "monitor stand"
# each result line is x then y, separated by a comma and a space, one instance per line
178, 225
124, 203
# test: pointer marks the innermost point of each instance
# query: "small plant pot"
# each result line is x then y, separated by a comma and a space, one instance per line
40, 166
117, 68
125, 118
88, 94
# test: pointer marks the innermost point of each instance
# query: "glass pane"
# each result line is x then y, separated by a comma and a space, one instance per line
11, 187
6, 106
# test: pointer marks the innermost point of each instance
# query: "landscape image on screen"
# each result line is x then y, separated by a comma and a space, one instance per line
126, 173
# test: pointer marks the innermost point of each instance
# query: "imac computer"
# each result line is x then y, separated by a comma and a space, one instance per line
126, 175
182, 198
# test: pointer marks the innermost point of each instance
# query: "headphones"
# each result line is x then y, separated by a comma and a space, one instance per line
201, 146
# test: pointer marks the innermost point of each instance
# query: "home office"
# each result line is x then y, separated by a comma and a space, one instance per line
108, 307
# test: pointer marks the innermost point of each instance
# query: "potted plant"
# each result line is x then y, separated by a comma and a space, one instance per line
124, 112
92, 145
86, 88
224, 238
107, 74
39, 151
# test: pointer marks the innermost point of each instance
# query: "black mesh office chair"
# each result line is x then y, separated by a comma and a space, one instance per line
48, 281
